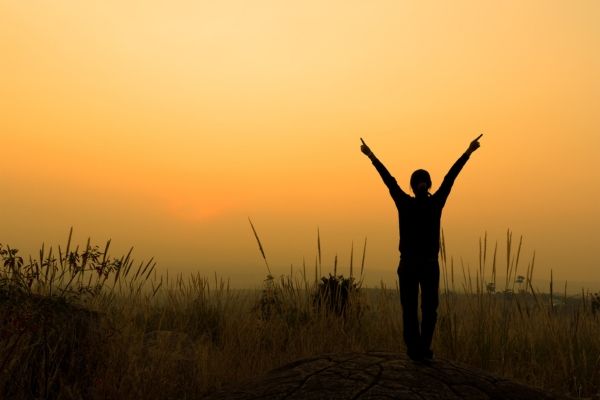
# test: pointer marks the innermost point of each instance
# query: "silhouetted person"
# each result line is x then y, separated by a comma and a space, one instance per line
419, 218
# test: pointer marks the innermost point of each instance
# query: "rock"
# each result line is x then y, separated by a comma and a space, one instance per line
379, 375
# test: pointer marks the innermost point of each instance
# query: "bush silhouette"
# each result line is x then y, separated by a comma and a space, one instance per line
334, 294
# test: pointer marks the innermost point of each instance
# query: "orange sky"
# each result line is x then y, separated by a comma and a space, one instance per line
165, 124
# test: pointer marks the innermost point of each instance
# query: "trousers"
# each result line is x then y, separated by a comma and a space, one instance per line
412, 274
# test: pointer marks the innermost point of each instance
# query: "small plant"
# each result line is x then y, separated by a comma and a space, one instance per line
595, 303
269, 303
335, 294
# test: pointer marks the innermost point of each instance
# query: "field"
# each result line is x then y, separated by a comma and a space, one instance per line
80, 324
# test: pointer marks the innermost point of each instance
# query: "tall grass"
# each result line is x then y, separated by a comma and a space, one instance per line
519, 332
103, 327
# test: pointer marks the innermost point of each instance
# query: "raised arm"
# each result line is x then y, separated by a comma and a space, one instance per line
387, 178
446, 185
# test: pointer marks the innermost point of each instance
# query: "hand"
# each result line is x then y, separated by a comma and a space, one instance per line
474, 145
365, 149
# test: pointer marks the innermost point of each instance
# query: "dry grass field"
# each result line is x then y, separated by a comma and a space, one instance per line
77, 323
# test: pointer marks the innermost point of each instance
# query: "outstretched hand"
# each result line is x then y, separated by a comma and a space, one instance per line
474, 145
365, 149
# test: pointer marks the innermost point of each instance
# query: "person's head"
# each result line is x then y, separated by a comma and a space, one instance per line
420, 182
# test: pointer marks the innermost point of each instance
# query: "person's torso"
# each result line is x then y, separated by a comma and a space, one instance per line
419, 220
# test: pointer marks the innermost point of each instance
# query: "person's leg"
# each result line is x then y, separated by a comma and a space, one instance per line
409, 298
430, 280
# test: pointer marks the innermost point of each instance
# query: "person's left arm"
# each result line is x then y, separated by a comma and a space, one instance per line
448, 181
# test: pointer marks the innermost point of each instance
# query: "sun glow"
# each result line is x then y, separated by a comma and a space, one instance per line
167, 121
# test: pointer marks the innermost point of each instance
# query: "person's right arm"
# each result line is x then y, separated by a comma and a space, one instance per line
387, 178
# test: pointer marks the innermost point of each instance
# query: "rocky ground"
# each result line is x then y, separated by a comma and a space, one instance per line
379, 375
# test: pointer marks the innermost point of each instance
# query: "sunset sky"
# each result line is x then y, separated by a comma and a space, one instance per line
164, 125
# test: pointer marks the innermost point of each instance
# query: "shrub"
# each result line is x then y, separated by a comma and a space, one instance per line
335, 294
